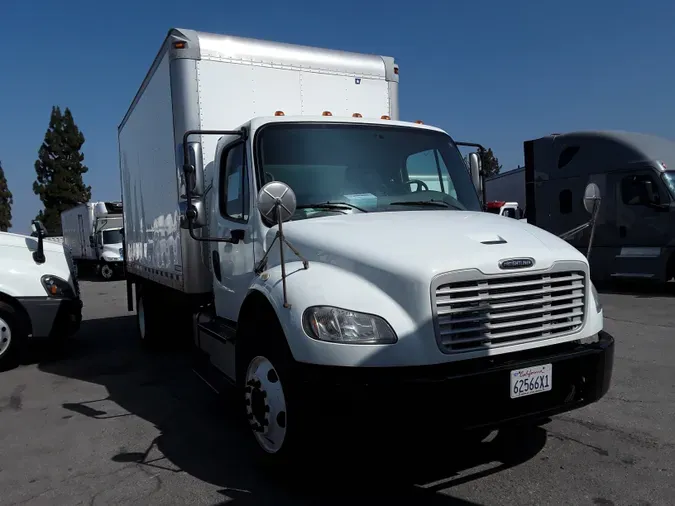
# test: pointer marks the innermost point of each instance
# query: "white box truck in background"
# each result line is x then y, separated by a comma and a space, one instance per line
277, 212
94, 233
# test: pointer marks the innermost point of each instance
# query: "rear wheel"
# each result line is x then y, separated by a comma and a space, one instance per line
147, 317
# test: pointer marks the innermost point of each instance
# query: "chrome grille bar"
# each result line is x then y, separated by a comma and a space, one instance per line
495, 311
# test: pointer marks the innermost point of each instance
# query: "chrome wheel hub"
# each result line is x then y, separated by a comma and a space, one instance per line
265, 404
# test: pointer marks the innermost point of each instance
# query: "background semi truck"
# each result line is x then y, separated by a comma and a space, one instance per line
94, 233
635, 232
278, 214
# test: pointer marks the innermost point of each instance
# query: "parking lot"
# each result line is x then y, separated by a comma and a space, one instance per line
102, 422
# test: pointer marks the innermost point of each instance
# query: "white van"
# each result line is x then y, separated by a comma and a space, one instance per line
39, 293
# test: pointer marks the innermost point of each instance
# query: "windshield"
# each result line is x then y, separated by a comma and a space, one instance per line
112, 236
365, 168
669, 178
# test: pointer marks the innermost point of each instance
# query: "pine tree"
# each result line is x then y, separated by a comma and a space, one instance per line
6, 201
490, 163
59, 170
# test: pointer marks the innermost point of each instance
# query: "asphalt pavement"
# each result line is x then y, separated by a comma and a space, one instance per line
102, 422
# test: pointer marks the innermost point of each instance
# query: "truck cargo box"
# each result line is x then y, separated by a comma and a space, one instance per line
207, 81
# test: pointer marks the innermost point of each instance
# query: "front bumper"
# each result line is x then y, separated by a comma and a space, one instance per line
51, 317
467, 394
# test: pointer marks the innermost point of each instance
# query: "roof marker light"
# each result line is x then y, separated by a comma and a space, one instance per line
385, 117
279, 113
357, 115
326, 113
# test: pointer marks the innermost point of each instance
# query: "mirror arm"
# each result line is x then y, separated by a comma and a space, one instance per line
282, 240
580, 228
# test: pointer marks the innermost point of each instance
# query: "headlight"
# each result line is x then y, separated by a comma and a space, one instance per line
111, 258
596, 298
57, 287
337, 325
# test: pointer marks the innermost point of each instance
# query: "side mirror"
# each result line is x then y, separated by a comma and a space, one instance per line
475, 170
276, 203
194, 171
38, 229
592, 199
41, 232
195, 210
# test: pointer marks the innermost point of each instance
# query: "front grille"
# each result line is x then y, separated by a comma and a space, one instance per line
496, 311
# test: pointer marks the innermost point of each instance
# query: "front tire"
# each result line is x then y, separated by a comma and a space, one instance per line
265, 402
11, 334
106, 272
266, 372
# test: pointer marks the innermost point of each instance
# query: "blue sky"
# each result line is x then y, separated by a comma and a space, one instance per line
492, 72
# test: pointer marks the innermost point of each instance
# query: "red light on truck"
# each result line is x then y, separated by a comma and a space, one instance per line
179, 45
326, 113
279, 113
357, 115
396, 69
385, 117
495, 204
419, 122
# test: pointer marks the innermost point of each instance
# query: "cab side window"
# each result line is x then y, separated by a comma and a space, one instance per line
234, 191
639, 190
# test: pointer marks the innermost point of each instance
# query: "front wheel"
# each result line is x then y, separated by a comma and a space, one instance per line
276, 412
106, 272
265, 401
10, 335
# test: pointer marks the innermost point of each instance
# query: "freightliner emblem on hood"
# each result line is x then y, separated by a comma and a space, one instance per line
516, 263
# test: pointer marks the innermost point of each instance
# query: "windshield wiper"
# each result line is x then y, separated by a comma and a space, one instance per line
419, 203
331, 205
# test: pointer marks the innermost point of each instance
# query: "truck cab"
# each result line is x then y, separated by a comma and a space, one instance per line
109, 246
39, 293
508, 209
324, 237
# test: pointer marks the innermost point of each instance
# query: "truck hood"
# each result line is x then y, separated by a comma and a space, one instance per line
29, 242
421, 244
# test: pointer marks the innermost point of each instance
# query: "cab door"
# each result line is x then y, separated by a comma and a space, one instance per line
641, 224
232, 265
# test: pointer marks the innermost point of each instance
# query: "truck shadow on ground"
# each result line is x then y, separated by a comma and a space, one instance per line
200, 434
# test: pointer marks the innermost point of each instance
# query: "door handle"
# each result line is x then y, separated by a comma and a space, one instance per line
237, 235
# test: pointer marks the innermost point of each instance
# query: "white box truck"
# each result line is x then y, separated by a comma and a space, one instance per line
278, 213
39, 293
94, 233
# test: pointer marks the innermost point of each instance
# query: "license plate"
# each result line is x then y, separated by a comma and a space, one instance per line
531, 380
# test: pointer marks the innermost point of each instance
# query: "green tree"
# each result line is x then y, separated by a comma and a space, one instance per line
6, 201
489, 162
59, 170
